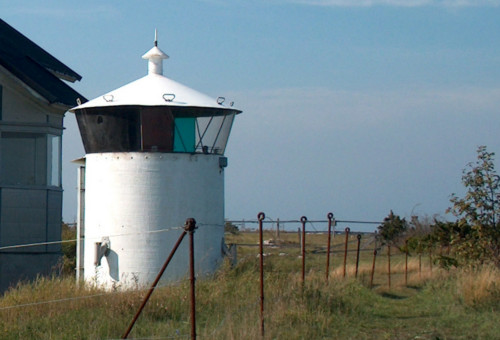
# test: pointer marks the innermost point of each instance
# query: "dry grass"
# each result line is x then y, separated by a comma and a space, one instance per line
479, 287
437, 304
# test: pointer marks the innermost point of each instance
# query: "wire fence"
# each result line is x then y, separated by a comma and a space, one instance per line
290, 225
145, 232
369, 245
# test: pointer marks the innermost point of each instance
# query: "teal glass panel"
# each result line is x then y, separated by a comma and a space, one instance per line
184, 136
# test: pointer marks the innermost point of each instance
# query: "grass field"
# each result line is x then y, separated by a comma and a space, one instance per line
437, 304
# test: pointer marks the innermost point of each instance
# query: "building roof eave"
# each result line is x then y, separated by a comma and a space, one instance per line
12, 39
41, 81
36, 68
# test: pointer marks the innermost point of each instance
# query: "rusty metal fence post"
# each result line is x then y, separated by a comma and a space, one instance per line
373, 266
330, 217
153, 285
389, 265
357, 255
303, 220
420, 265
261, 217
347, 230
406, 263
430, 260
190, 227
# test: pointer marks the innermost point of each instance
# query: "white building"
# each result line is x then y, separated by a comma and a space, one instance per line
154, 157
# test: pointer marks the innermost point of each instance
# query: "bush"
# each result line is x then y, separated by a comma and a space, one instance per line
476, 237
231, 228
392, 229
68, 250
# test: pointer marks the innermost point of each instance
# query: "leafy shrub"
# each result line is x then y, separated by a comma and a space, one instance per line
68, 249
476, 236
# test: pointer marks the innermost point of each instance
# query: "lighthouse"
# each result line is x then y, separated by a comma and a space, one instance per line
154, 156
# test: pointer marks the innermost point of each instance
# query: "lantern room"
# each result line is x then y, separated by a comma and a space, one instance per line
155, 114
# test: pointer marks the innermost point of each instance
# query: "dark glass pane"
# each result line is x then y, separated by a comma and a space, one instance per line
23, 159
110, 129
157, 129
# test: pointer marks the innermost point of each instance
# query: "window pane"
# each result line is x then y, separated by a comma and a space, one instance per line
109, 129
24, 158
184, 137
54, 160
157, 129
213, 133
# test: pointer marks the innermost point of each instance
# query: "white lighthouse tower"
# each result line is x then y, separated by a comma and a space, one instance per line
154, 157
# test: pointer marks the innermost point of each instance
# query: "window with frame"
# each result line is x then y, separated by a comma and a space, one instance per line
30, 159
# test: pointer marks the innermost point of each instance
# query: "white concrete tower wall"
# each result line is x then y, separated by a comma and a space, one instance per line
132, 197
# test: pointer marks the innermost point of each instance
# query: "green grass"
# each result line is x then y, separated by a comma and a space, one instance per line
456, 304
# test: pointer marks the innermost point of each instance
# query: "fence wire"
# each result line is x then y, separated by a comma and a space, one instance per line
242, 309
36, 244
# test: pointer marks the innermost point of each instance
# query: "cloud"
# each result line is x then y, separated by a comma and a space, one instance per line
346, 110
401, 3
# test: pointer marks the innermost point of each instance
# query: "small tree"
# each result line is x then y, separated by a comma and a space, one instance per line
477, 235
231, 228
442, 233
442, 236
392, 228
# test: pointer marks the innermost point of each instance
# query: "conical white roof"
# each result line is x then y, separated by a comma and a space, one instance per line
155, 90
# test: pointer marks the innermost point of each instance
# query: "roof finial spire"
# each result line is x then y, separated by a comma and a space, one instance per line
155, 57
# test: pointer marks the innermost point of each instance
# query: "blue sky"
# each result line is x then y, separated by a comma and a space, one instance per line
353, 107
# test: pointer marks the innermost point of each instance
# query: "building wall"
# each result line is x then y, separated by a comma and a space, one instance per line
30, 182
140, 202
